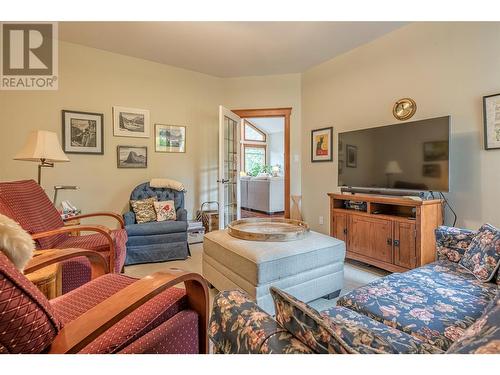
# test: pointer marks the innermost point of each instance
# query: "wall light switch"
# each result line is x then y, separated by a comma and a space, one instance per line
321, 220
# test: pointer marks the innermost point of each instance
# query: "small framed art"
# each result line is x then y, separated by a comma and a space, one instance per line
82, 132
130, 122
491, 118
132, 156
170, 138
322, 145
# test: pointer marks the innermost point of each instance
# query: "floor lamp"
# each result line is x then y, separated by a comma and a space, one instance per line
43, 147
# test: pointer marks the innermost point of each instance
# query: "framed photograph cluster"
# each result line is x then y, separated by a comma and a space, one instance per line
83, 133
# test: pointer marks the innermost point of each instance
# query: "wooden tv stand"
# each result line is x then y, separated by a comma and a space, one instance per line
394, 233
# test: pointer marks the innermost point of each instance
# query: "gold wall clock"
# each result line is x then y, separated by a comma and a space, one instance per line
404, 109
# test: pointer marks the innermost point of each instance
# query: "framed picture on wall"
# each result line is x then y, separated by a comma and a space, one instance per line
82, 132
132, 156
130, 122
491, 118
351, 156
322, 145
170, 138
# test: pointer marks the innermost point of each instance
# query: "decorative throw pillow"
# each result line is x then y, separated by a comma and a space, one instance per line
144, 210
482, 258
322, 334
165, 210
483, 336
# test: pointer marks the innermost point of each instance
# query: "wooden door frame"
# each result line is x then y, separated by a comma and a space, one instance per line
275, 112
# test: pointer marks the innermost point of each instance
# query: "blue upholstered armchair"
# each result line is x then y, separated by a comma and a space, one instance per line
157, 241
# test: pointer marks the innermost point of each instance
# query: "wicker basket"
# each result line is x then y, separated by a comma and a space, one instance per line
209, 217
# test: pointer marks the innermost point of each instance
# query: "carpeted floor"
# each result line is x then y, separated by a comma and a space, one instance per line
355, 274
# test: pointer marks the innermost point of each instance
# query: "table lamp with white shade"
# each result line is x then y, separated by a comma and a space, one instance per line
42, 146
391, 168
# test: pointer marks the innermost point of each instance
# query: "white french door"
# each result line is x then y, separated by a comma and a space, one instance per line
229, 167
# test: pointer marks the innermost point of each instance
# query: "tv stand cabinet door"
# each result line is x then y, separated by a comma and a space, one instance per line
370, 237
339, 226
405, 245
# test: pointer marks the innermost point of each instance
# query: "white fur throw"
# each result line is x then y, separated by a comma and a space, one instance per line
166, 183
15, 242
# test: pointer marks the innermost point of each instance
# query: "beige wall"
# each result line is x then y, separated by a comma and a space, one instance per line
93, 80
271, 92
446, 68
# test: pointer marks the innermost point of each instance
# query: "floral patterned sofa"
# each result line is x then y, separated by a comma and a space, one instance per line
438, 308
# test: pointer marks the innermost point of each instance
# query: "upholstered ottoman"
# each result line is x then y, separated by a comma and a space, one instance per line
310, 268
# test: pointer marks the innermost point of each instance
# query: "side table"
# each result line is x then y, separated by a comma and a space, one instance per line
47, 280
73, 222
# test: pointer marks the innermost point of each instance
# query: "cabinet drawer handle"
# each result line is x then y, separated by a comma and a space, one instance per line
389, 241
345, 230
396, 242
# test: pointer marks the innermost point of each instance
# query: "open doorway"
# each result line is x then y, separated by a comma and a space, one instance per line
264, 162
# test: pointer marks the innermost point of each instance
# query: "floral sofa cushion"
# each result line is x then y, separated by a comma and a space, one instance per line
399, 341
482, 257
340, 330
451, 243
483, 337
237, 325
434, 303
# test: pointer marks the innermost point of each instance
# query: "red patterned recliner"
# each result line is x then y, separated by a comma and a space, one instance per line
110, 314
26, 202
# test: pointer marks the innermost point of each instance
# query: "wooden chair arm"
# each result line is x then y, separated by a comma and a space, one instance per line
71, 228
105, 231
119, 218
45, 258
87, 327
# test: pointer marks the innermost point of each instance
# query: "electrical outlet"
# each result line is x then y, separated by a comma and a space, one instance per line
321, 220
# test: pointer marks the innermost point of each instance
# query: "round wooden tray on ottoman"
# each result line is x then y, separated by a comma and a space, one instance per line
271, 230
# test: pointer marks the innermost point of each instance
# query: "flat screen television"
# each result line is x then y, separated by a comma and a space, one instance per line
406, 156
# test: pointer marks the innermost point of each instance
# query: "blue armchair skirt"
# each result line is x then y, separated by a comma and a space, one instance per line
157, 241
157, 248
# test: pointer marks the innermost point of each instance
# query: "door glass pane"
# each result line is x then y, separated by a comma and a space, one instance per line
230, 170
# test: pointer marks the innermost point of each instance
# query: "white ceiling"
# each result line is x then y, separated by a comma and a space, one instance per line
228, 49
269, 125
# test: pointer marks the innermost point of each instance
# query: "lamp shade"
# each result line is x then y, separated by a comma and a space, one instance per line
42, 145
393, 167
